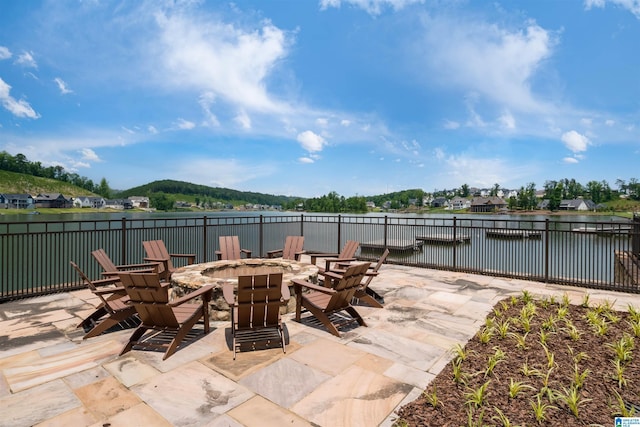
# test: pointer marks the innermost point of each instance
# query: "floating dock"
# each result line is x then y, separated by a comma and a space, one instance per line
394, 245
604, 229
444, 238
509, 233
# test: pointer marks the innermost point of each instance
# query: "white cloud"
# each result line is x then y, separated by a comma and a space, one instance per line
345, 122
206, 100
243, 119
311, 142
575, 141
610, 122
90, 155
26, 60
507, 121
19, 108
183, 124
322, 121
451, 125
219, 172
632, 6
62, 86
373, 7
213, 56
152, 129
5, 53
484, 58
570, 160
306, 160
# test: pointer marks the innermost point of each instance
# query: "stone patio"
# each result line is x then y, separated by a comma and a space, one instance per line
51, 377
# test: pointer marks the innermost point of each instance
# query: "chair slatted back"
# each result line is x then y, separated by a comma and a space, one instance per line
103, 259
156, 250
150, 298
349, 250
375, 269
229, 247
258, 301
91, 286
292, 247
346, 286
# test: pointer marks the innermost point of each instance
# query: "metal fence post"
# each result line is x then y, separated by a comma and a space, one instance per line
260, 238
204, 239
302, 224
546, 250
124, 241
386, 223
635, 240
339, 232
455, 245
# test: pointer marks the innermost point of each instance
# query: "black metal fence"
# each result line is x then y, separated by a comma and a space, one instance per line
35, 255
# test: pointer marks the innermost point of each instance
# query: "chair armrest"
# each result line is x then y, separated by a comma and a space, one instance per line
191, 295
247, 252
141, 266
218, 255
153, 269
191, 258
333, 274
116, 290
272, 254
299, 284
227, 292
316, 256
284, 289
328, 261
106, 281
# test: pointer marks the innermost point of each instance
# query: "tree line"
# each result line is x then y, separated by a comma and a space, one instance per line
20, 164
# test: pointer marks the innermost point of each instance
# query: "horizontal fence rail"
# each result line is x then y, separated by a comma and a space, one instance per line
35, 255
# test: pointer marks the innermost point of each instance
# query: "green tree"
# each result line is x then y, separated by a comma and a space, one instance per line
103, 189
161, 201
464, 190
494, 190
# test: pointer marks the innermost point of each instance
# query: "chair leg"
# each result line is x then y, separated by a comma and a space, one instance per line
368, 299
284, 349
185, 328
107, 323
322, 317
133, 340
97, 314
352, 311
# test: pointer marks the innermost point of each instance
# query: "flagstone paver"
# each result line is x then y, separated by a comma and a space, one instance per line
50, 376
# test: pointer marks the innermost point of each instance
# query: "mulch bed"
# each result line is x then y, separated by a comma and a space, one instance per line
559, 367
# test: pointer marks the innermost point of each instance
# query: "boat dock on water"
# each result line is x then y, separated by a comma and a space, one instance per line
508, 233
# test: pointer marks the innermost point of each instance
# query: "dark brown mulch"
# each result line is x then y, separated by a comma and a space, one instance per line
599, 404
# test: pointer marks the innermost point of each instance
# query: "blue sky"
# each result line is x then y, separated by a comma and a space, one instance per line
304, 97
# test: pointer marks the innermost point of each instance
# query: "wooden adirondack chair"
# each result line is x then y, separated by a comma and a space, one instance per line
113, 309
364, 292
150, 298
348, 254
230, 249
111, 269
335, 296
156, 251
255, 312
292, 249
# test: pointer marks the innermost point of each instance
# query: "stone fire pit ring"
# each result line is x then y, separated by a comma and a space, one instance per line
220, 273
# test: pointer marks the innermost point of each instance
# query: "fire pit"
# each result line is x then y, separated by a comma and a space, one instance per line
221, 273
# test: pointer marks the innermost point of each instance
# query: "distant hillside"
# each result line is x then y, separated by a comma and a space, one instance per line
17, 183
217, 193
